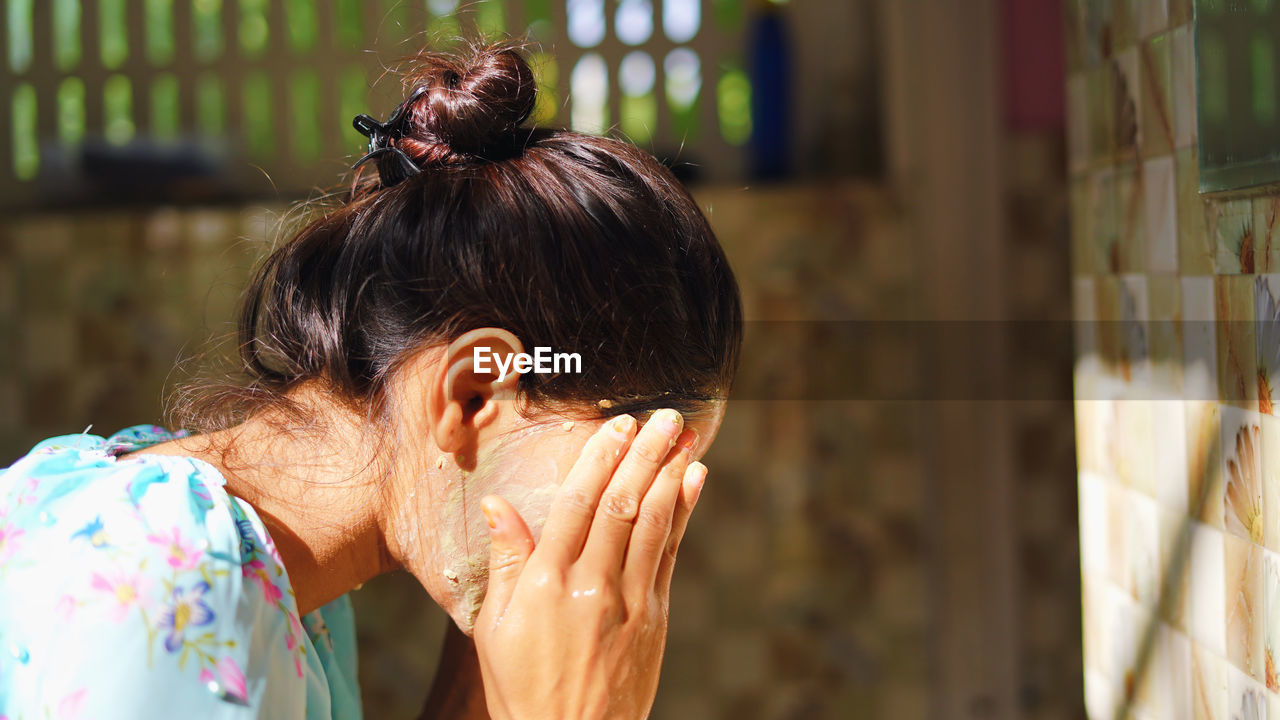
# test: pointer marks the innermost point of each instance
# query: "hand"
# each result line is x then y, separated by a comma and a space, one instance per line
575, 628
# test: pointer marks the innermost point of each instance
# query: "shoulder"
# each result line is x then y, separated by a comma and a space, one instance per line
140, 583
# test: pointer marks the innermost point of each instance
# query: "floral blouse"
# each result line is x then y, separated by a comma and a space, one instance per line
136, 587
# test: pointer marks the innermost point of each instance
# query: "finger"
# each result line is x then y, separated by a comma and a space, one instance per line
655, 519
569, 520
694, 478
510, 546
616, 513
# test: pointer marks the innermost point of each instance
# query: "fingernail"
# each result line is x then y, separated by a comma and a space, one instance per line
691, 439
671, 422
489, 515
698, 478
622, 426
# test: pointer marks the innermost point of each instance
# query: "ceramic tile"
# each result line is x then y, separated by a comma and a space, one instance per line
1174, 529
1110, 329
1160, 217
1271, 481
1164, 306
1209, 696
1144, 678
1106, 223
1174, 702
1199, 339
1136, 467
1098, 699
1183, 79
1246, 698
1119, 568
1242, 473
1144, 551
1204, 464
1084, 256
1078, 150
1124, 22
1180, 12
1091, 418
1126, 633
1266, 234
1153, 17
1236, 336
1155, 56
1133, 300
1084, 312
1246, 622
1235, 248
1271, 637
1196, 247
1169, 436
1130, 236
1127, 81
1267, 316
1102, 83
1207, 605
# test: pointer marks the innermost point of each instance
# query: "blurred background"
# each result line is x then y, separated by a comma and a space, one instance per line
889, 530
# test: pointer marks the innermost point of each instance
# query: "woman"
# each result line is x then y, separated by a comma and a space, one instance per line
380, 427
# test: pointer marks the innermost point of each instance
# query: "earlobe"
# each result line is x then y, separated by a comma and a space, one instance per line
465, 396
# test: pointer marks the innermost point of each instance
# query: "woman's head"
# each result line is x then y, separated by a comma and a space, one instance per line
579, 243
522, 237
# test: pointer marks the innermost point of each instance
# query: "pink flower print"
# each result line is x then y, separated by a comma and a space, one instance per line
293, 641
182, 555
257, 571
126, 590
64, 608
9, 543
72, 705
229, 681
187, 609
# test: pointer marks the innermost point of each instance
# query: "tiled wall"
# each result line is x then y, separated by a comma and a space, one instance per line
803, 590
1177, 342
1048, 564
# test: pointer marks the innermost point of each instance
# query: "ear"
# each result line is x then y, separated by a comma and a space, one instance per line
463, 397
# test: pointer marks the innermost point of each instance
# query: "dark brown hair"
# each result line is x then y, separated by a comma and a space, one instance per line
575, 242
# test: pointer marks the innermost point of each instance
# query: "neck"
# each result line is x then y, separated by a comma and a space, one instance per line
318, 496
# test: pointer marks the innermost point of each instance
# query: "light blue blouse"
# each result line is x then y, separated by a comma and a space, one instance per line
136, 587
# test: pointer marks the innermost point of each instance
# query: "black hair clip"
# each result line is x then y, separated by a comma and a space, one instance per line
394, 165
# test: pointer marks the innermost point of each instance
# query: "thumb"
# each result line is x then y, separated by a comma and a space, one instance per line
511, 543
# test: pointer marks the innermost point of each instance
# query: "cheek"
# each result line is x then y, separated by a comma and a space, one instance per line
527, 480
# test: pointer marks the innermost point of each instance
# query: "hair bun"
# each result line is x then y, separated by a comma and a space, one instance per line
474, 104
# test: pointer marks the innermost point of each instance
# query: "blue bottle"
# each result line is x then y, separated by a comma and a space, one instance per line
770, 62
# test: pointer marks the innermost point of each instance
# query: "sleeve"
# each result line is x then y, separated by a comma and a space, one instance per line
132, 598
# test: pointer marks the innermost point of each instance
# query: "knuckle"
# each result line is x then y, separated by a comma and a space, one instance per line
654, 519
673, 549
577, 499
649, 451
504, 560
620, 506
601, 455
